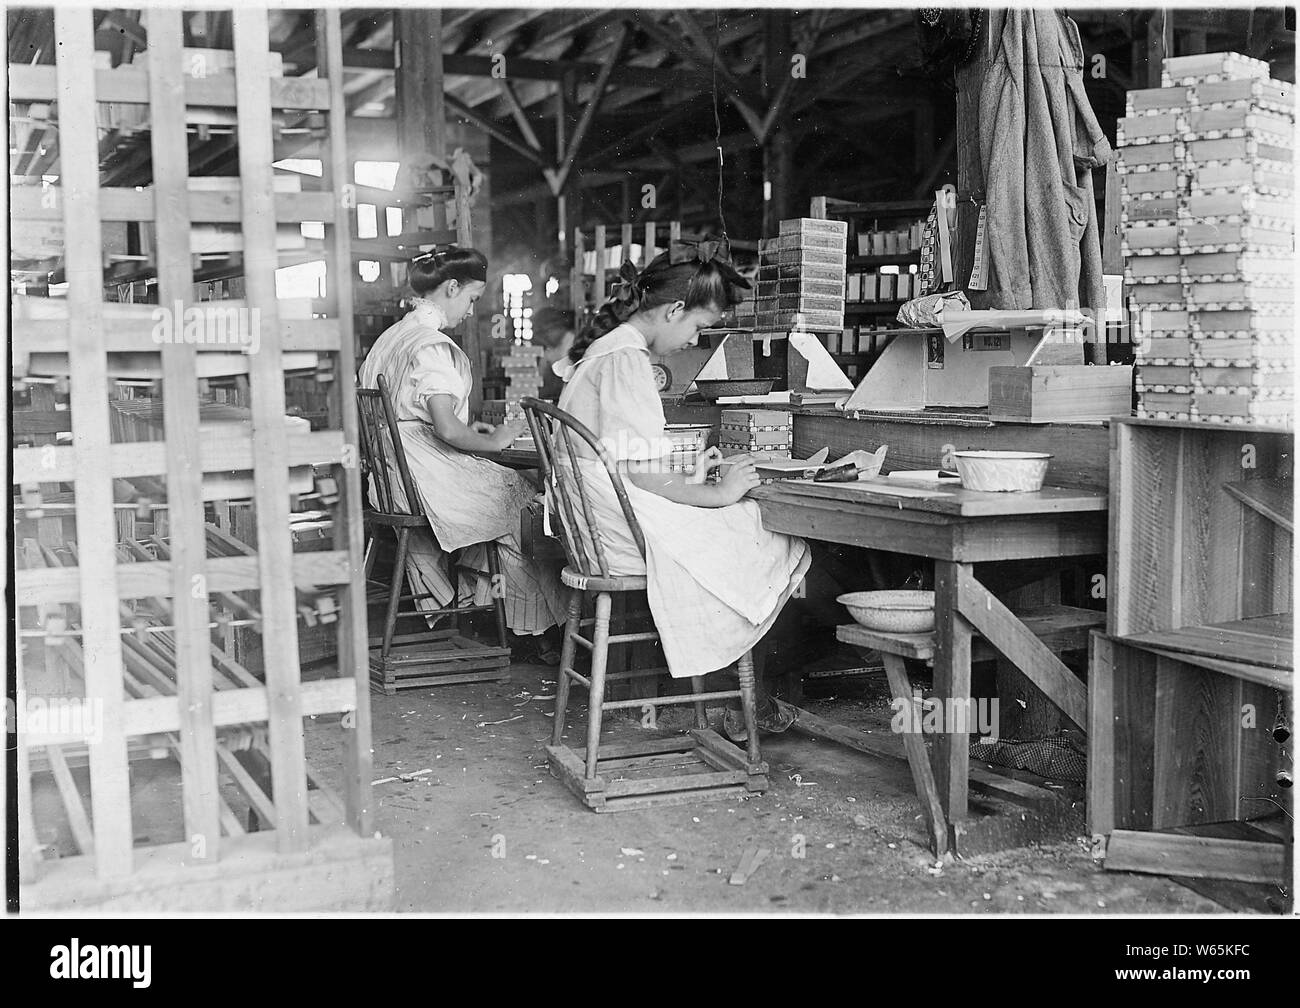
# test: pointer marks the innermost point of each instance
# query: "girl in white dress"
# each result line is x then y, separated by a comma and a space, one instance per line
469, 500
717, 578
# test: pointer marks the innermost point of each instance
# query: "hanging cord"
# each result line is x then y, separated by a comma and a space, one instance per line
717, 120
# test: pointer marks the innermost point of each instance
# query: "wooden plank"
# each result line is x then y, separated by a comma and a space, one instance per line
1101, 737
918, 759
76, 811
1197, 719
1197, 857
353, 646
169, 148
674, 783
275, 546
945, 498
1031, 656
1208, 579
145, 580
133, 327
130, 85
96, 532
1225, 641
1259, 757
210, 207
1274, 499
341, 873
951, 754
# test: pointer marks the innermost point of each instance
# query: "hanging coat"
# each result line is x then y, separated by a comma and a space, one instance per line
1038, 142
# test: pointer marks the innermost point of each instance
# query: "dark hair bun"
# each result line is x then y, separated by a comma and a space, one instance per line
433, 269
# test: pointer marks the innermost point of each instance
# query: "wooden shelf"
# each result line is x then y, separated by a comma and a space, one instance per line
901, 259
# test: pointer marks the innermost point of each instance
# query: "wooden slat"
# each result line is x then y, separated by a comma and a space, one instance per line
144, 580
133, 328
96, 531
71, 797
1196, 857
951, 754
918, 759
1101, 737
150, 458
193, 669
1274, 499
1197, 727
131, 85
353, 647
598, 287
1031, 656
208, 207
275, 546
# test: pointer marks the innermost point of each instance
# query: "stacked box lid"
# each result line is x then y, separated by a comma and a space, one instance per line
1207, 208
766, 434
801, 276
520, 365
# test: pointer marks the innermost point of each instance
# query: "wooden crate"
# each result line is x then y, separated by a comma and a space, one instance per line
170, 682
1048, 393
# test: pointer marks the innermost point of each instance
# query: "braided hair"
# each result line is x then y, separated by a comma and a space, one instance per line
696, 284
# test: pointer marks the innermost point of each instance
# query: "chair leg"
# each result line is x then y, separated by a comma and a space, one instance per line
395, 590
369, 558
497, 582
745, 669
701, 715
599, 657
568, 652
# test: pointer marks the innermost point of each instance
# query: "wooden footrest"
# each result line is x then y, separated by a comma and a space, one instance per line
438, 663
700, 766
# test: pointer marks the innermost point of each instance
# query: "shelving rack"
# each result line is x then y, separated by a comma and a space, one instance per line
139, 625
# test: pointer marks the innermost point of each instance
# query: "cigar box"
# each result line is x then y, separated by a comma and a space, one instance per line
811, 273
814, 226
1237, 295
1242, 351
1046, 393
1270, 95
1164, 378
1250, 376
1158, 295
1255, 208
1165, 182
1180, 71
888, 290
1148, 209
1229, 237
1157, 100
1274, 321
1153, 239
1258, 406
1269, 178
1166, 405
1164, 350
1163, 321
1237, 122
801, 240
1153, 269
1204, 152
796, 256
1151, 157
1159, 127
812, 321
810, 303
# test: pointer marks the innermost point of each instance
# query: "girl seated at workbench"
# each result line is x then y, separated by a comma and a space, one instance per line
717, 578
469, 500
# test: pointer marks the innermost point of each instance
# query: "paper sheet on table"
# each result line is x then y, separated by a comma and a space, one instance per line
958, 323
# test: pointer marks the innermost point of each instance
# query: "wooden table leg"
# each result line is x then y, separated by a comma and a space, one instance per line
951, 753
917, 758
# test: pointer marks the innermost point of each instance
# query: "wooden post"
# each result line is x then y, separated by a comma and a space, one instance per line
266, 381
353, 643
778, 145
198, 753
1159, 44
96, 531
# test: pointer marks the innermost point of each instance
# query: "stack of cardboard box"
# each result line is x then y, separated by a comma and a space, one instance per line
801, 277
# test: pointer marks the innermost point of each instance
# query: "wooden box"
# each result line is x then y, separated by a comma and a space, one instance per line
1046, 393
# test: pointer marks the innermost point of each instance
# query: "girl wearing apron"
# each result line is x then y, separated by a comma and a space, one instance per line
717, 578
469, 500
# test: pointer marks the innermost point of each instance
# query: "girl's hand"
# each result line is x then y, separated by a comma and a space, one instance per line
503, 437
705, 463
479, 427
741, 478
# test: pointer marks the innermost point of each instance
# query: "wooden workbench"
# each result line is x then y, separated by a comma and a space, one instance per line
956, 528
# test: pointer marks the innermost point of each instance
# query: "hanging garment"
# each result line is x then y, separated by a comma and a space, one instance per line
1039, 141
468, 500
717, 578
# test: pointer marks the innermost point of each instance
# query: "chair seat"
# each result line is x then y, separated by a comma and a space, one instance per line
596, 583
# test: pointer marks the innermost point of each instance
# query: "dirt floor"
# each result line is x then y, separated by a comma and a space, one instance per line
489, 830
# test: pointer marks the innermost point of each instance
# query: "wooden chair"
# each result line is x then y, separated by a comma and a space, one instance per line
434, 657
696, 766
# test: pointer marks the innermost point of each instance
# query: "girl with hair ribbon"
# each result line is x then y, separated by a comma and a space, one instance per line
469, 500
717, 578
